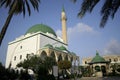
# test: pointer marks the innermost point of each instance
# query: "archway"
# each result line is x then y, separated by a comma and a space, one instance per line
71, 59
59, 57
103, 69
53, 55
43, 55
66, 57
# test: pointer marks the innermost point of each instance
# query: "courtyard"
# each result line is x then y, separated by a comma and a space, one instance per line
99, 78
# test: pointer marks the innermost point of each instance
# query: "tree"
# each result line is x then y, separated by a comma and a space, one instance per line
35, 61
31, 63
16, 7
39, 66
49, 62
109, 9
115, 68
7, 74
64, 65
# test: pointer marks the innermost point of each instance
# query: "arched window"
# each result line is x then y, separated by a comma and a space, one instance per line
110, 60
20, 57
20, 47
14, 58
27, 56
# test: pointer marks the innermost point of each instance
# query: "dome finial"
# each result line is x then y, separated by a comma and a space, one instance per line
97, 52
63, 10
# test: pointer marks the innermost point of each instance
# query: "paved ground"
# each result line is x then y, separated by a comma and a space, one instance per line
95, 78
99, 78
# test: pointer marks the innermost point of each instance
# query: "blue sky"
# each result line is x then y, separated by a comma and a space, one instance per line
84, 35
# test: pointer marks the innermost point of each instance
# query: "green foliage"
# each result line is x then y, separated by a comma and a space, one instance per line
49, 62
42, 74
35, 63
97, 68
32, 63
86, 71
24, 75
40, 67
16, 7
42, 70
118, 69
64, 64
109, 9
8, 74
115, 69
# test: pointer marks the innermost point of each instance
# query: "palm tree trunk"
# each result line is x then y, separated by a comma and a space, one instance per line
5, 27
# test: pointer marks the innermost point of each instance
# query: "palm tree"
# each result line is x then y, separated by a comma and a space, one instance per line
108, 9
16, 7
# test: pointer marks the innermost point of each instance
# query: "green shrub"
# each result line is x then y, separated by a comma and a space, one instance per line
97, 68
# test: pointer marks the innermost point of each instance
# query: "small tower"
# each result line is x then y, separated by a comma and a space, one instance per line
64, 28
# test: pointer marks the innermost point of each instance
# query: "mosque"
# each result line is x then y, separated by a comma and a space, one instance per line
41, 40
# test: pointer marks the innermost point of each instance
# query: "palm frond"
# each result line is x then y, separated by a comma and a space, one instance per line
35, 4
105, 12
2, 2
8, 3
74, 1
115, 6
105, 18
85, 7
16, 7
94, 3
28, 8
107, 6
23, 8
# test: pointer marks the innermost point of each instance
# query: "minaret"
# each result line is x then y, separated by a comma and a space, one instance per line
64, 28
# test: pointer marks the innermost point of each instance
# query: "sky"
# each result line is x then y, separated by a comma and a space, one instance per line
84, 35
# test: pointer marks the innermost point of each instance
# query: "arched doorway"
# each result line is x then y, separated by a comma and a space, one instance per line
59, 57
66, 57
103, 69
71, 59
43, 55
53, 55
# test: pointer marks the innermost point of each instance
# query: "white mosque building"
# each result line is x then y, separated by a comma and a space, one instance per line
40, 40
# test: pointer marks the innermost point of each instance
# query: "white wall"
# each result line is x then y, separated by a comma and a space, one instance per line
29, 46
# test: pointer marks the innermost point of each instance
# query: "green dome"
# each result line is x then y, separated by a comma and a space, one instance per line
63, 48
98, 59
42, 28
48, 46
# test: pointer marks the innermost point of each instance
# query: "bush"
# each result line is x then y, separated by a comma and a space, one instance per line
51, 77
97, 68
118, 69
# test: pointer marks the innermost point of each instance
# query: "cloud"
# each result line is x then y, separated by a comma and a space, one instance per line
78, 29
59, 33
112, 47
80, 38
